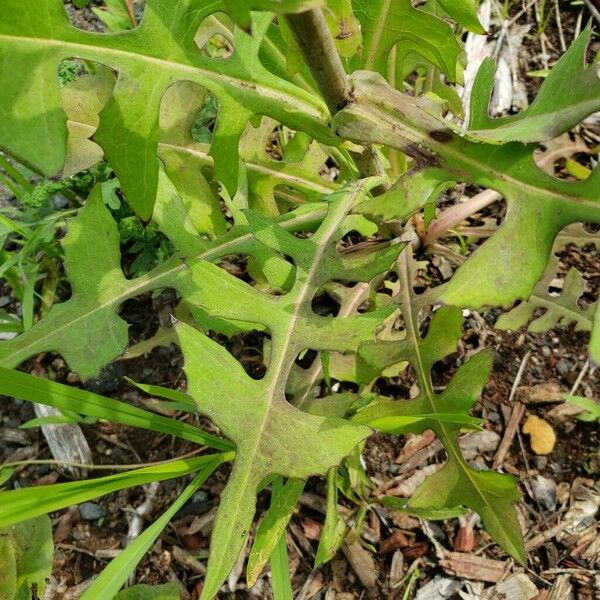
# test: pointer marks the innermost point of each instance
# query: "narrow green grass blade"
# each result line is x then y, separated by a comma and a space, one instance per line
272, 527
66, 398
110, 581
26, 503
280, 568
334, 530
179, 399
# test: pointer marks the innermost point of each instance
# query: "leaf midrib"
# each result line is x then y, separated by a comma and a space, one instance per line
159, 277
442, 149
446, 438
193, 73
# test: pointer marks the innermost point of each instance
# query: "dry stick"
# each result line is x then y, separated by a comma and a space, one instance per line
595, 12
320, 54
515, 417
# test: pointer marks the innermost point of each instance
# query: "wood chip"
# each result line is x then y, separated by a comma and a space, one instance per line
395, 541
562, 588
187, 560
396, 569
362, 563
414, 444
542, 393
470, 566
518, 586
312, 529
66, 442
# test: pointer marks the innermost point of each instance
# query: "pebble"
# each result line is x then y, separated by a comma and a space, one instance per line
563, 366
546, 351
198, 504
544, 491
540, 462
91, 511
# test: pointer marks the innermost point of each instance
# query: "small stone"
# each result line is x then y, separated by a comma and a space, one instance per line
198, 504
546, 351
540, 462
91, 511
563, 366
544, 491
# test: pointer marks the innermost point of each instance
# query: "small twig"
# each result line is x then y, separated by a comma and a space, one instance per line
457, 213
580, 377
561, 35
136, 524
515, 417
595, 12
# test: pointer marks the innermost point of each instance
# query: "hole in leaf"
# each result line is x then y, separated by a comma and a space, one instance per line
324, 305
214, 37
306, 358
109, 16
250, 348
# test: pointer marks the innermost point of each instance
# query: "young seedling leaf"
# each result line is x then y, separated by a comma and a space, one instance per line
272, 527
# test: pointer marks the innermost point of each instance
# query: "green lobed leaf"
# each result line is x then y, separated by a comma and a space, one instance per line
558, 310
161, 50
570, 93
491, 494
464, 12
539, 206
26, 554
397, 24
306, 444
91, 314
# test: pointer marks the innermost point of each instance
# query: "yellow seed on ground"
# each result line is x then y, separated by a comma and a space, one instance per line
542, 436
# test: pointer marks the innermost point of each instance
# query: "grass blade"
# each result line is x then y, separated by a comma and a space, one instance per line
280, 567
112, 578
26, 503
272, 528
66, 398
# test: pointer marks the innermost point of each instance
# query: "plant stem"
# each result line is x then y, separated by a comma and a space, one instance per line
320, 54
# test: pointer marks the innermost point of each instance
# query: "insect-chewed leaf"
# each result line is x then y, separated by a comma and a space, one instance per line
562, 309
490, 494
35, 38
273, 437
93, 265
386, 25
570, 93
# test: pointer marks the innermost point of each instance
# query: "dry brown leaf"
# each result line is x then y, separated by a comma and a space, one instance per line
470, 566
